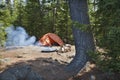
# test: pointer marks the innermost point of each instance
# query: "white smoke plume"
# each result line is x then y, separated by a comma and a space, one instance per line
18, 37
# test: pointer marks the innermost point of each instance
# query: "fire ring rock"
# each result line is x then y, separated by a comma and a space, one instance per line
20, 73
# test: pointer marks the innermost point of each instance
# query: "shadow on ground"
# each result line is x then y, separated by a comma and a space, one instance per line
51, 69
96, 74
48, 68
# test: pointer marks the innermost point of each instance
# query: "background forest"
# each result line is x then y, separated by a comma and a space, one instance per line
42, 16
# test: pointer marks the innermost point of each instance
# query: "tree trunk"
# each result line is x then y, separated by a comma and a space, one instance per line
83, 40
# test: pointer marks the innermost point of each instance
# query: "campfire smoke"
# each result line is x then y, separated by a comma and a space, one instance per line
18, 37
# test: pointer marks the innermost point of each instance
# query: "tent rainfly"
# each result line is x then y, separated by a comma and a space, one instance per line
50, 39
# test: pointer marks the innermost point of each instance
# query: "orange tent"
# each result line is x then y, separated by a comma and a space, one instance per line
50, 38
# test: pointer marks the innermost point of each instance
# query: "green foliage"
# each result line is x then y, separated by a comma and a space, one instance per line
5, 20
63, 22
38, 18
32, 18
47, 16
107, 33
2, 36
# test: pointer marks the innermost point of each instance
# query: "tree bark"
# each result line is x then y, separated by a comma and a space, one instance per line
83, 40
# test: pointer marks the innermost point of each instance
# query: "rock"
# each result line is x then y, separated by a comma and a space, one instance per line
33, 76
7, 76
20, 73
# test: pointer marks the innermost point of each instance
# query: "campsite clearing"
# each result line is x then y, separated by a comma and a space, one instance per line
47, 65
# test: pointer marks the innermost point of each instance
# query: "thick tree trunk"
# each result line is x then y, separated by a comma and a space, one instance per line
83, 40
79, 11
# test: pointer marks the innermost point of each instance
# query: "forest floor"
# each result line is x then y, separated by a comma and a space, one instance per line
47, 64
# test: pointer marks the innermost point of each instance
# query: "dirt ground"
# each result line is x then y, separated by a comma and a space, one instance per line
49, 64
